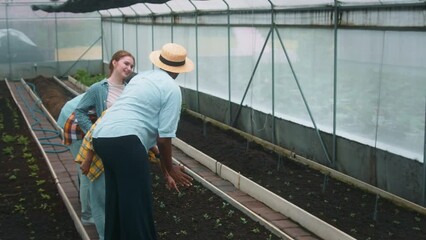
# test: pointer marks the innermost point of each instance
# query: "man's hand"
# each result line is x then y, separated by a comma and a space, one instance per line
176, 177
176, 173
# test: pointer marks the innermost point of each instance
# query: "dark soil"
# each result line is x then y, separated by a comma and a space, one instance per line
195, 213
52, 94
342, 205
192, 215
30, 205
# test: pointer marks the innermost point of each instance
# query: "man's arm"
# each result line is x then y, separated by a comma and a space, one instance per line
170, 170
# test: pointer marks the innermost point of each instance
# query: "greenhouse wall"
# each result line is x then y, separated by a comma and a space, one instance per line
349, 93
343, 85
38, 43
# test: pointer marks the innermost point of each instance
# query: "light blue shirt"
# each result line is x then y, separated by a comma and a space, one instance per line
149, 106
95, 97
67, 109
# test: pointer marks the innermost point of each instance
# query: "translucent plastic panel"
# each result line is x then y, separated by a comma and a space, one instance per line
117, 37
158, 8
381, 89
249, 4
107, 41
33, 1
181, 5
378, 1
162, 35
213, 61
186, 37
401, 122
144, 46
104, 13
128, 11
2, 15
246, 49
141, 9
130, 41
310, 53
358, 84
301, 3
210, 5
22, 12
115, 12
309, 3
30, 40
79, 39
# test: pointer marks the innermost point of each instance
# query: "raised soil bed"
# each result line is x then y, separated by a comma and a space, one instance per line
339, 204
30, 205
195, 213
344, 206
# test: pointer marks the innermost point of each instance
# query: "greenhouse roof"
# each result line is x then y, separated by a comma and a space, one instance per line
144, 7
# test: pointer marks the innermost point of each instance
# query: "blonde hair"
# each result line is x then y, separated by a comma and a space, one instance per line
116, 57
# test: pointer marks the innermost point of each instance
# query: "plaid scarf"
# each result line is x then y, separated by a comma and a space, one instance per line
97, 167
72, 131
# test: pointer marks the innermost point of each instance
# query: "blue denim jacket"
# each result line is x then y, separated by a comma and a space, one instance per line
96, 96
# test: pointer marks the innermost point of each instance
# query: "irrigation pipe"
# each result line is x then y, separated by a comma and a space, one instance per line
58, 131
74, 216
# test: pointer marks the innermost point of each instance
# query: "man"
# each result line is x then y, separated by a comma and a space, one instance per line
146, 114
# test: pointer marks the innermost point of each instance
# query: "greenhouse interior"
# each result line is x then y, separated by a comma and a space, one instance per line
340, 83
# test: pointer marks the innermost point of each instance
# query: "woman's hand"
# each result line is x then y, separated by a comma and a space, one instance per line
85, 166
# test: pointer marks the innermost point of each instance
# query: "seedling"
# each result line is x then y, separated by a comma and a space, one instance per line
6, 138
40, 182
176, 219
22, 140
230, 236
217, 223
230, 213
8, 151
182, 232
19, 208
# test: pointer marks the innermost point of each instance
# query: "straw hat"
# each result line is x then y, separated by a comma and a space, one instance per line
172, 58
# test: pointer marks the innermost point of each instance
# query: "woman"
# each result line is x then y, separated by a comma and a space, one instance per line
146, 115
101, 96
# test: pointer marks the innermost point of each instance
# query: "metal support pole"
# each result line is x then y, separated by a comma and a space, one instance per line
229, 61
102, 43
304, 100
110, 33
152, 30
251, 79
274, 135
196, 56
135, 69
336, 12
424, 162
9, 52
122, 28
171, 20
57, 43
81, 56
